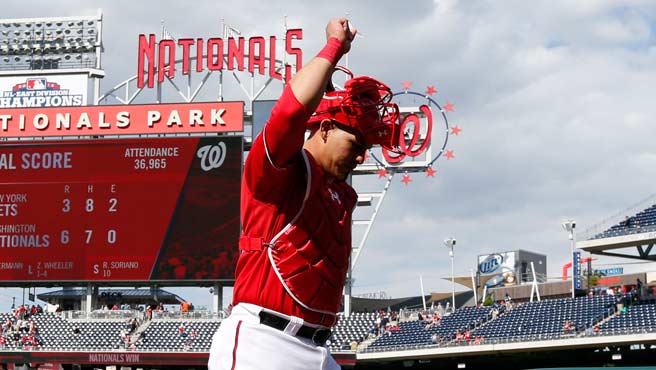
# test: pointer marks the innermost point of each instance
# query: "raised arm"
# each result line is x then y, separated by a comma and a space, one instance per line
309, 83
284, 132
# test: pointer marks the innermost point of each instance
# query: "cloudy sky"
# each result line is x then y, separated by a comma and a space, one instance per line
552, 97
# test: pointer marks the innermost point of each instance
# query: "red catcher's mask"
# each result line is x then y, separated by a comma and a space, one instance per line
364, 105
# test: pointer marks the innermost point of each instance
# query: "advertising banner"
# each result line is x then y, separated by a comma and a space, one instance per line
502, 265
43, 91
576, 274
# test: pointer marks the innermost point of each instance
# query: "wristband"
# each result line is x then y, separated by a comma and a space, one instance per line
332, 51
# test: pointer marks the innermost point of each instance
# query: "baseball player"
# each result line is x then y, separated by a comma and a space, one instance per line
296, 215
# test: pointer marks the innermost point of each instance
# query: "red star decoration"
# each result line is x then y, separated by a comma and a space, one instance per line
449, 154
406, 179
430, 90
455, 130
406, 85
382, 172
449, 107
430, 172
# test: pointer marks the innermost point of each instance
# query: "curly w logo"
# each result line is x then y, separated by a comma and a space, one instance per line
211, 156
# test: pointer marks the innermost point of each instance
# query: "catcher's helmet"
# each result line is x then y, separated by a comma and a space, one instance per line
364, 105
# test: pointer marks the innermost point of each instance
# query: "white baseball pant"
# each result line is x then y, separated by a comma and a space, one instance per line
242, 343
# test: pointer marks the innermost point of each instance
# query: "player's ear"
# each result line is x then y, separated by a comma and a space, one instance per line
324, 127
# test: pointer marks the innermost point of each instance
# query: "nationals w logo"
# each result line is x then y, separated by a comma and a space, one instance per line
211, 156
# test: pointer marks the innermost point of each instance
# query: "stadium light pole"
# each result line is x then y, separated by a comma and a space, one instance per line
569, 226
450, 243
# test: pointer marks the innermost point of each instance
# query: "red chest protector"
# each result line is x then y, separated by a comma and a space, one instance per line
310, 255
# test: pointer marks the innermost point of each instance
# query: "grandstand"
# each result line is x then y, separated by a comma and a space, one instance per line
641, 222
522, 330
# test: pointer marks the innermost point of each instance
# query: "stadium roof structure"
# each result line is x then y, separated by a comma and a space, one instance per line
143, 295
621, 246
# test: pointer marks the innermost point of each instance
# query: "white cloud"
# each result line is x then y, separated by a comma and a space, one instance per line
554, 98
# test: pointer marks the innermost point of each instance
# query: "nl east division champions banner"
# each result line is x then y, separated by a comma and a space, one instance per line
131, 209
43, 91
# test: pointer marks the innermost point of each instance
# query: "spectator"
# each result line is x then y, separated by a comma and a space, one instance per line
6, 327
22, 326
32, 327
21, 312
440, 309
569, 327
133, 325
184, 306
508, 301
638, 289
494, 312
149, 313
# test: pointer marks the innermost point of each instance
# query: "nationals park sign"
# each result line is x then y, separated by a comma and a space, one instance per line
122, 120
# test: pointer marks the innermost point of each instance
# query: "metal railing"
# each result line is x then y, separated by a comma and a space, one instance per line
113, 315
191, 315
516, 339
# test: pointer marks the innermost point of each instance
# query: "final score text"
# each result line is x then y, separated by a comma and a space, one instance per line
124, 119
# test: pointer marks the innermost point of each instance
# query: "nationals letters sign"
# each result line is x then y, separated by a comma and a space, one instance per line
117, 210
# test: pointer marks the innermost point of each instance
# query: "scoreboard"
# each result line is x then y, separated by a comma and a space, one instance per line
120, 210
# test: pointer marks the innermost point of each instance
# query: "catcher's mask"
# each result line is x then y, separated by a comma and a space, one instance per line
364, 105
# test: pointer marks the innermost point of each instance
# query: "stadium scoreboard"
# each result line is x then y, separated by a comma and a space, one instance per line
120, 210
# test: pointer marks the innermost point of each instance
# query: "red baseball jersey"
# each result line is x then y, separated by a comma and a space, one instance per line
296, 223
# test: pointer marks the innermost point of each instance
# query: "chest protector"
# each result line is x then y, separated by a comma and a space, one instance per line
311, 254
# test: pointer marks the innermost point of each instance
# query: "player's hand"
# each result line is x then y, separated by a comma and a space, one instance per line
341, 30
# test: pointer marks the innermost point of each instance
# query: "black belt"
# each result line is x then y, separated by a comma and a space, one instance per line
317, 335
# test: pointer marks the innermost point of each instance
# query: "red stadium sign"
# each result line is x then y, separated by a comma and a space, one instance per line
123, 119
159, 58
116, 210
